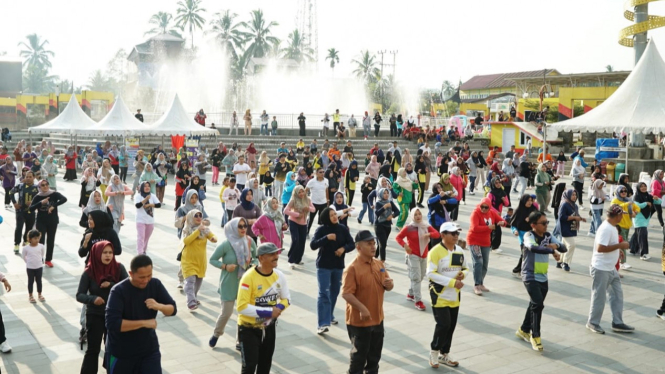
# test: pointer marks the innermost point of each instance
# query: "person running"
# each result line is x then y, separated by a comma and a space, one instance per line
195, 236
24, 215
364, 283
146, 203
333, 241
297, 210
519, 225
262, 297
117, 193
131, 341
405, 189
538, 245
46, 204
483, 221
607, 250
234, 256
102, 272
33, 255
446, 269
418, 234
568, 223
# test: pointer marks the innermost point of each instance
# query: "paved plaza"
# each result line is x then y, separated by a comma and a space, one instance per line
44, 335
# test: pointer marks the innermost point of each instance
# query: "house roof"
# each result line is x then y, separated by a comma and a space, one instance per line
480, 82
146, 46
488, 98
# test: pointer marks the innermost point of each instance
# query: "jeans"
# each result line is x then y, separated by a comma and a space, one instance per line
224, 215
23, 218
123, 174
472, 183
298, 238
279, 188
596, 220
257, 347
366, 346
143, 233
446, 321
376, 130
35, 276
366, 131
96, 330
192, 286
481, 262
604, 282
264, 128
48, 236
369, 211
330, 282
382, 233
417, 267
274, 131
318, 209
534, 313
223, 318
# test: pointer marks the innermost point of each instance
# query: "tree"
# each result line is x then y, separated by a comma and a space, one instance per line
35, 52
226, 32
333, 56
36, 80
447, 90
366, 68
258, 34
162, 22
296, 50
98, 81
189, 16
609, 68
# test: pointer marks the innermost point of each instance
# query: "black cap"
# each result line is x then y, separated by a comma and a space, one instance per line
364, 235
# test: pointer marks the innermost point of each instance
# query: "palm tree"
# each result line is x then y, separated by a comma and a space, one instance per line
35, 52
258, 35
37, 81
609, 68
226, 32
189, 16
333, 56
99, 82
366, 67
162, 22
447, 90
297, 50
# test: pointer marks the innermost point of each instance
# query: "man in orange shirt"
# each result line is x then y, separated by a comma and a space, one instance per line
334, 151
547, 158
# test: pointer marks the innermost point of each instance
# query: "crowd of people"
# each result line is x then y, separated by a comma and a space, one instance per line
268, 194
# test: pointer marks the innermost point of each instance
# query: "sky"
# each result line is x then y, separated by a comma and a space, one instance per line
436, 40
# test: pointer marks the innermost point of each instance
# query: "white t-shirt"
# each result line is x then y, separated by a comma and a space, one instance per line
34, 256
242, 177
141, 215
231, 196
605, 235
318, 190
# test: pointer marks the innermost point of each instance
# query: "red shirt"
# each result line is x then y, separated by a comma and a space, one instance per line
412, 238
70, 163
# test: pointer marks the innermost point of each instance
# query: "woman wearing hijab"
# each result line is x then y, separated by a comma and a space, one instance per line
151, 177
292, 160
161, 168
145, 202
70, 164
519, 225
483, 221
8, 172
248, 210
623, 180
568, 223
418, 234
457, 180
633, 209
116, 203
46, 205
597, 202
404, 187
639, 243
384, 212
298, 210
577, 173
196, 185
96, 202
421, 171
301, 177
258, 194
233, 256
509, 174
543, 181
99, 227
350, 179
437, 213
191, 202
104, 177
658, 191
269, 228
342, 209
450, 195
472, 166
560, 164
333, 181
229, 161
182, 179
195, 236
289, 185
113, 158
88, 185
123, 159
49, 171
373, 169
101, 273
250, 153
333, 241
264, 165
140, 161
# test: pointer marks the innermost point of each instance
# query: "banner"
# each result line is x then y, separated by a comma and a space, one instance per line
132, 146
192, 147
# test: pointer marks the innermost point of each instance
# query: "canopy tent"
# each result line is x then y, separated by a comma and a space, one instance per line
117, 122
175, 121
69, 121
638, 105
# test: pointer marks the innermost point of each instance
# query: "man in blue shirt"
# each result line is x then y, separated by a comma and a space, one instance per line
132, 346
282, 149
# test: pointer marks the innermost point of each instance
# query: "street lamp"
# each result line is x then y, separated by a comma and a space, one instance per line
57, 98
542, 94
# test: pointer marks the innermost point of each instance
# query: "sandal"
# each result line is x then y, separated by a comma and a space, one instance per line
31, 299
41, 298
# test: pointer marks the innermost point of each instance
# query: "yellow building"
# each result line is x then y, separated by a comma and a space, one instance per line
505, 134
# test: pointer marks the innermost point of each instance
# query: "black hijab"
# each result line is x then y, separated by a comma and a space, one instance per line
521, 213
644, 197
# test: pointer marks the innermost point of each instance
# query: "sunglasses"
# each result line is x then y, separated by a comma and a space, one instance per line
454, 233
43, 184
242, 227
484, 207
623, 192
198, 215
544, 223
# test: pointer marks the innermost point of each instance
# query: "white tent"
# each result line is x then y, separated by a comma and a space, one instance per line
69, 121
175, 121
637, 106
117, 122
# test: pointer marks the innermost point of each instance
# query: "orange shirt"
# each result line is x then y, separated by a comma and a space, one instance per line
364, 280
548, 158
334, 151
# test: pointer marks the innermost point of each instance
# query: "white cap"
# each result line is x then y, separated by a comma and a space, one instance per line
449, 227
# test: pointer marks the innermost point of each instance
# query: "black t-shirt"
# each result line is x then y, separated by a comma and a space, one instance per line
139, 116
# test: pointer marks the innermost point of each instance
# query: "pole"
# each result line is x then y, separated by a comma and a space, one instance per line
639, 45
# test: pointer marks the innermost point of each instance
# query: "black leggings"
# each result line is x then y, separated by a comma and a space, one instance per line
578, 188
116, 169
349, 196
7, 196
376, 130
35, 275
382, 233
96, 330
318, 209
659, 210
123, 174
421, 192
48, 237
23, 219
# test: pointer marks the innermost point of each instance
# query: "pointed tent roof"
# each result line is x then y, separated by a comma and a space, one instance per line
638, 105
118, 121
175, 121
72, 119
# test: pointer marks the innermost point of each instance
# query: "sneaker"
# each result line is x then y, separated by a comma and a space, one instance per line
558, 265
625, 266
213, 341
334, 321
193, 307
16, 249
477, 290
5, 348
472, 193
523, 335
581, 207
181, 285
238, 347
645, 258
463, 202
410, 297
661, 316
514, 190
536, 344
448, 361
497, 251
622, 327
420, 305
483, 288
434, 359
292, 266
595, 328
49, 264
517, 274
322, 330
566, 267
420, 205
359, 221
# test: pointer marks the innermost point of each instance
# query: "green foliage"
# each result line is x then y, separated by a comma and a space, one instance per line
162, 25
534, 105
333, 56
297, 50
258, 33
35, 53
227, 32
36, 80
189, 16
366, 67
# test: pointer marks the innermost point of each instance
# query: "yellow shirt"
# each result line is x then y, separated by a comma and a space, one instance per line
194, 259
442, 268
300, 145
335, 117
221, 192
258, 294
626, 219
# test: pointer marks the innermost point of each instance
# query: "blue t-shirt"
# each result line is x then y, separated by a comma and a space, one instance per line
128, 302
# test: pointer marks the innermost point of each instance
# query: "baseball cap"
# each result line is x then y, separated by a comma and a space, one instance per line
364, 235
267, 248
615, 210
449, 227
